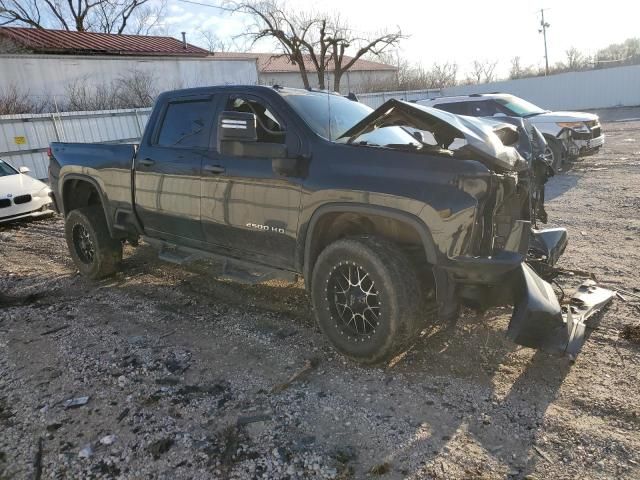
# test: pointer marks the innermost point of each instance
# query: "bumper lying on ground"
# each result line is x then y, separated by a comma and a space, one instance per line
538, 320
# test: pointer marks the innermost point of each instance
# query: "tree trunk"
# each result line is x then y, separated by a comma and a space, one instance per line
304, 75
321, 79
337, 77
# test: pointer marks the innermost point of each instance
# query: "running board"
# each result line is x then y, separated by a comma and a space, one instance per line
240, 271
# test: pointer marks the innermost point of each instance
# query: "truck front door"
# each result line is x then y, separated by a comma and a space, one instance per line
168, 170
246, 206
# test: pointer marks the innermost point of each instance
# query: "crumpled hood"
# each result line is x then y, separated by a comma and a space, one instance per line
19, 184
552, 117
483, 140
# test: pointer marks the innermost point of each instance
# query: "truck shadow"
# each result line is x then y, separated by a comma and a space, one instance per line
560, 184
507, 391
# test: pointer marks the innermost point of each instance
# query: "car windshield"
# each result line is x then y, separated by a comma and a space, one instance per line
519, 107
6, 169
331, 115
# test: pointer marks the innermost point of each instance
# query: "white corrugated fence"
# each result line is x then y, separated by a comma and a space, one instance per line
374, 100
24, 139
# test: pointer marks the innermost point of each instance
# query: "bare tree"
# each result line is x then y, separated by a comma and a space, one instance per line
482, 72
110, 16
575, 59
344, 38
134, 89
325, 40
443, 75
15, 101
209, 40
271, 21
516, 69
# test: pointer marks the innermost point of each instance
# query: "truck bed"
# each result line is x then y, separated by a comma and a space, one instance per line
109, 166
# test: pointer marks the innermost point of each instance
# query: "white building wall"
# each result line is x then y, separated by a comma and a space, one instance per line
51, 74
355, 81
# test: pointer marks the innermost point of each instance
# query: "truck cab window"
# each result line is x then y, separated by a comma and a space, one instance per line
186, 124
484, 108
269, 129
459, 108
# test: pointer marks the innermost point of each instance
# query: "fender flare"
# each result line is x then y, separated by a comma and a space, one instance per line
420, 227
94, 183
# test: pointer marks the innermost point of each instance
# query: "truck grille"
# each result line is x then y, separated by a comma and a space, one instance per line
5, 202
20, 199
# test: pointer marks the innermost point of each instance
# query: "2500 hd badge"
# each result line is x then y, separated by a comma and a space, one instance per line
265, 228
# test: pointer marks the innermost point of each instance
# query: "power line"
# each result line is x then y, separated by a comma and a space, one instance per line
192, 2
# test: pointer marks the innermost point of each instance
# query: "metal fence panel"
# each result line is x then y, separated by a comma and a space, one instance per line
591, 89
24, 139
374, 100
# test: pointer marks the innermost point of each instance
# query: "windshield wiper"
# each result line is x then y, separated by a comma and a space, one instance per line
404, 146
365, 142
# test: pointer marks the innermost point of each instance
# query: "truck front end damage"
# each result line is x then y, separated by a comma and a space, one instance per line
510, 260
581, 139
514, 276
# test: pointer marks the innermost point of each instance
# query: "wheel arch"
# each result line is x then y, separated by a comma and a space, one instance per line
404, 227
89, 193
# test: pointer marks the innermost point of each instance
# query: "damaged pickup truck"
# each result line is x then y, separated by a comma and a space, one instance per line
387, 214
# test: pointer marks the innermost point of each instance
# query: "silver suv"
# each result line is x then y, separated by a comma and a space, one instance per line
569, 134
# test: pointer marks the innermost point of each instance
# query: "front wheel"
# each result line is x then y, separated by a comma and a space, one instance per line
92, 249
366, 297
555, 153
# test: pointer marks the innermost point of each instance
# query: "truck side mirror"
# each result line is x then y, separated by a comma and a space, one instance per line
24, 170
237, 126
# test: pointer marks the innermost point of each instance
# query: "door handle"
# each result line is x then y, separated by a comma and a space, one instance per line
147, 162
214, 169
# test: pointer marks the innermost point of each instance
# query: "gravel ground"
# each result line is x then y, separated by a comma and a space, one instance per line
187, 375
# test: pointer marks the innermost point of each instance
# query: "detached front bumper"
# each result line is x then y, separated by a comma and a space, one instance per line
538, 320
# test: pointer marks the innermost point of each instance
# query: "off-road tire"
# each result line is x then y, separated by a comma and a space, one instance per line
89, 224
558, 153
398, 290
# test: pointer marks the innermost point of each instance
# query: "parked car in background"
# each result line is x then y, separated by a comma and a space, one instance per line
21, 195
569, 134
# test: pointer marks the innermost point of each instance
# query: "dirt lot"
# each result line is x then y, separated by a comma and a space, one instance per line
184, 372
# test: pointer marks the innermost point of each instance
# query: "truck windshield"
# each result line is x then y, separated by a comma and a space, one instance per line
6, 169
331, 115
519, 107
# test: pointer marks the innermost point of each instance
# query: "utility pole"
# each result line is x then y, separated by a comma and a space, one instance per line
543, 30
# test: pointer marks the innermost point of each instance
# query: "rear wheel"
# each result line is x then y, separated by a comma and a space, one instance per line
366, 297
94, 252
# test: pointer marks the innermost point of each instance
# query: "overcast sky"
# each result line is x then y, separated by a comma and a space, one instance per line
457, 30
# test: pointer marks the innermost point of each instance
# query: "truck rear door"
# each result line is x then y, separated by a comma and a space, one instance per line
168, 169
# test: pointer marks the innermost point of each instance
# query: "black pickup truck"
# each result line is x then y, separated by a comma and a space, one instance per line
388, 214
